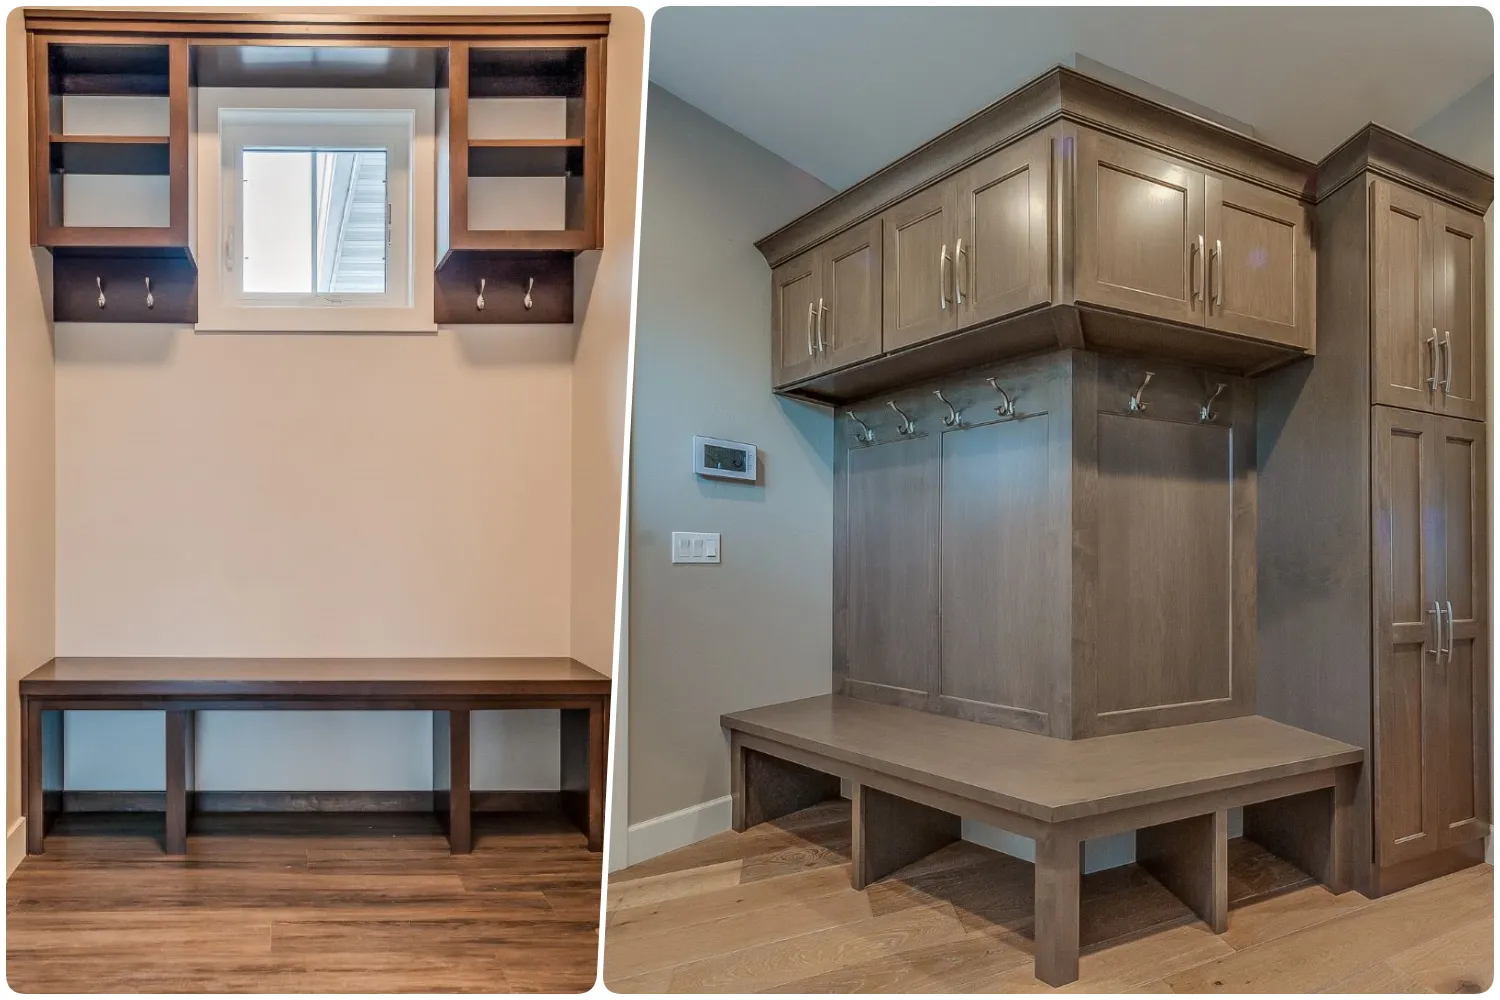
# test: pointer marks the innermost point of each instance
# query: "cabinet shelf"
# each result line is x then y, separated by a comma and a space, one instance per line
525, 157
110, 154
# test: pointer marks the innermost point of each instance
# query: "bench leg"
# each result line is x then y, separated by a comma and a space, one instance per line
41, 771
766, 788
585, 760
1059, 862
450, 777
1312, 830
1191, 858
181, 768
891, 832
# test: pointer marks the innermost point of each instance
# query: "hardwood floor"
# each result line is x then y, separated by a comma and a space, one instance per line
771, 910
305, 903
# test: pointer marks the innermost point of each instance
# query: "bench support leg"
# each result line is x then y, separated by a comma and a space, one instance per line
41, 771
450, 777
1312, 830
181, 776
1058, 866
891, 832
585, 759
1191, 858
766, 788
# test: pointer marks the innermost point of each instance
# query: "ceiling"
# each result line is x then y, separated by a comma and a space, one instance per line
840, 92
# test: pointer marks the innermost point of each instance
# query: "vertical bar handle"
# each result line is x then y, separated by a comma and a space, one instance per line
1432, 361
1195, 270
1216, 272
1447, 363
822, 311
1436, 611
1449, 649
960, 270
943, 277
810, 309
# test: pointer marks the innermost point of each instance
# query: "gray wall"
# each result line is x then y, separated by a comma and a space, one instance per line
756, 629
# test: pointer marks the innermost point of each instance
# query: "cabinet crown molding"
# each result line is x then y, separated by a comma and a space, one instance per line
1058, 94
1383, 151
297, 27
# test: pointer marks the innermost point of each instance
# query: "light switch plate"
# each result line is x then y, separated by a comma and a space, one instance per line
695, 546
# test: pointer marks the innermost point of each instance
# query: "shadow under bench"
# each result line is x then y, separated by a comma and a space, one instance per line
916, 775
451, 689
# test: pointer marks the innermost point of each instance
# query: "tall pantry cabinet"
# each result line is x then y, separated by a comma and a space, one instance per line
1373, 518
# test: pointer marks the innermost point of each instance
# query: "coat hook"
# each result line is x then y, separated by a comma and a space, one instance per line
1206, 412
954, 417
527, 300
906, 426
865, 435
479, 302
150, 299
1137, 404
99, 284
1007, 407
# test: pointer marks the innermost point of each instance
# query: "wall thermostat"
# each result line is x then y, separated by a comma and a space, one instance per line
718, 459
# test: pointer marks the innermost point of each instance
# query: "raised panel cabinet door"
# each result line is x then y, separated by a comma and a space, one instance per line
1001, 251
794, 315
1462, 778
1403, 324
1260, 263
1407, 564
1140, 231
849, 303
918, 264
1458, 295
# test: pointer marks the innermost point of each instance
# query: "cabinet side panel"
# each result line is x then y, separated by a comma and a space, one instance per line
1313, 458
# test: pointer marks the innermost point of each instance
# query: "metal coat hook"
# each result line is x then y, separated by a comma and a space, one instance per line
99, 284
906, 426
954, 417
530, 282
865, 434
1137, 404
479, 302
150, 299
1206, 412
1007, 407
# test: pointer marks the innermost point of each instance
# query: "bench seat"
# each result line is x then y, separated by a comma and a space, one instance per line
450, 688
916, 774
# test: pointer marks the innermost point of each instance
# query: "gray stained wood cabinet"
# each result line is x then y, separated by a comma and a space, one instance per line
1020, 231
1373, 540
826, 305
1068, 551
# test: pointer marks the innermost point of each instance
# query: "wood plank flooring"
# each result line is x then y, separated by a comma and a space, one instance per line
770, 910
305, 903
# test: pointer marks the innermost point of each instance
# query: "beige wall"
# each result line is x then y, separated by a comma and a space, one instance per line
602, 361
29, 524
755, 629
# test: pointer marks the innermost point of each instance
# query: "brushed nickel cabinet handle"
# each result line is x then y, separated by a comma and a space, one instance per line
1432, 361
1449, 649
1447, 363
1436, 611
943, 277
959, 271
1195, 270
1216, 271
822, 311
810, 310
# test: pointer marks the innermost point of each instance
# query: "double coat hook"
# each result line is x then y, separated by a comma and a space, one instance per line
526, 300
906, 426
1137, 404
954, 417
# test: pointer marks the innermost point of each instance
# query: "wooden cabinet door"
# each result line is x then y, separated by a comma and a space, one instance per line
1139, 220
794, 314
918, 265
1403, 324
1260, 264
1458, 307
1408, 572
1001, 251
848, 327
1461, 776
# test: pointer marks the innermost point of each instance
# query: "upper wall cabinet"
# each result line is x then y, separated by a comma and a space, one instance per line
1073, 214
826, 305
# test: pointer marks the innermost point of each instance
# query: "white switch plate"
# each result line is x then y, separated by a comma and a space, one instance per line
695, 546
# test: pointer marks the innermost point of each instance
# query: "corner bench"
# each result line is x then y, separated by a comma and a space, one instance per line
916, 774
449, 688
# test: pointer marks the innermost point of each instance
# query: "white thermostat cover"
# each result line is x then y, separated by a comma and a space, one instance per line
720, 459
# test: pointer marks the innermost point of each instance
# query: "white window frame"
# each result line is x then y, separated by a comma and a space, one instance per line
399, 121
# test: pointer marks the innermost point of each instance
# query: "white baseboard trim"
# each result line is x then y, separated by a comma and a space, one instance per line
654, 837
15, 845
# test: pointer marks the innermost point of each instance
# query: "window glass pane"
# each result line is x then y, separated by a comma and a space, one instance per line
314, 221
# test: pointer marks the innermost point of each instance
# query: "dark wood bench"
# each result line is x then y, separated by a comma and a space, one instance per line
916, 774
449, 688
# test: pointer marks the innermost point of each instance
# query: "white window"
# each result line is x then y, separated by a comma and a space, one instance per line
306, 218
